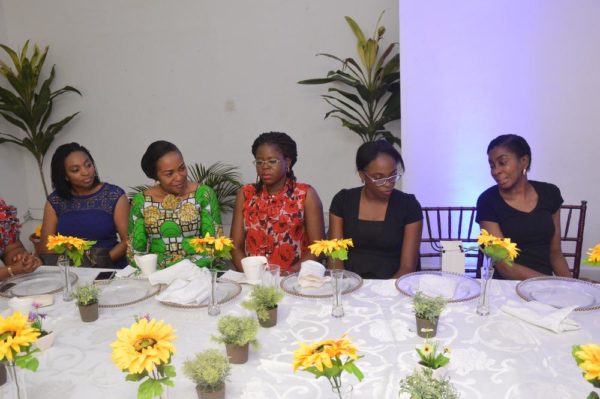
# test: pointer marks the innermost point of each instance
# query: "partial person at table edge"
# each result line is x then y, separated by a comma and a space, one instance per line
526, 211
164, 217
83, 206
13, 254
384, 223
277, 216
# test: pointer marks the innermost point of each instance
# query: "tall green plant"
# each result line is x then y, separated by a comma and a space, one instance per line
370, 97
28, 107
223, 178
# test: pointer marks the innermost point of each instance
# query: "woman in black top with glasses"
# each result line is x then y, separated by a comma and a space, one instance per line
385, 224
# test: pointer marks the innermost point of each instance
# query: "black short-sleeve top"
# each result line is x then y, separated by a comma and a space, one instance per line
377, 244
532, 231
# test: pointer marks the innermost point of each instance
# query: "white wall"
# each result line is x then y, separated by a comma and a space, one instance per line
472, 70
209, 76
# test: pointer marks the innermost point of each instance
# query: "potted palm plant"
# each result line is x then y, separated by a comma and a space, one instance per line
370, 94
208, 370
86, 297
427, 313
263, 300
29, 108
237, 333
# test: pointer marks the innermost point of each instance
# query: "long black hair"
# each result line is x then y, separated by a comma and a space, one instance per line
285, 144
153, 153
60, 183
368, 151
514, 143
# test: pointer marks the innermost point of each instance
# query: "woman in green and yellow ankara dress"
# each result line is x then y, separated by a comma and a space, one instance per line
166, 216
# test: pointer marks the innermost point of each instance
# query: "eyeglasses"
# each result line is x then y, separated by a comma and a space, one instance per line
259, 163
382, 182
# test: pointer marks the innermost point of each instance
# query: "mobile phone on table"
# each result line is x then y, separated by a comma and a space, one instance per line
7, 287
105, 276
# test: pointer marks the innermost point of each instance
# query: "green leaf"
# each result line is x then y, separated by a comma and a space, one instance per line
315, 81
356, 29
134, 377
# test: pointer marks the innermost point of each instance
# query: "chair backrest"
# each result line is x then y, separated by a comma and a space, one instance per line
572, 221
448, 223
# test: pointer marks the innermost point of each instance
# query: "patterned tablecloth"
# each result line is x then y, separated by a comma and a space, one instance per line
496, 356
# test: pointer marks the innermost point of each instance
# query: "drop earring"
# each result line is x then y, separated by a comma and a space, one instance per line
524, 171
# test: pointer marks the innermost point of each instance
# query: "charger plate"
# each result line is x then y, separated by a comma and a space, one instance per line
36, 283
350, 283
561, 292
227, 290
466, 287
122, 292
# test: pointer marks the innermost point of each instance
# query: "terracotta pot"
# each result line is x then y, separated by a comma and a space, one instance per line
271, 321
237, 354
426, 328
45, 342
2, 374
218, 394
88, 312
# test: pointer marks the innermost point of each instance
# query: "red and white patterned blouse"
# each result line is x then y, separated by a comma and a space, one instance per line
274, 223
9, 226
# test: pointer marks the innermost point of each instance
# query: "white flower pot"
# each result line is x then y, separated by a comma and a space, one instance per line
45, 342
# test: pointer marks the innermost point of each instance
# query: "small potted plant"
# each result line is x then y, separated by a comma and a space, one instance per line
427, 312
36, 318
263, 300
236, 333
433, 359
86, 298
421, 384
209, 370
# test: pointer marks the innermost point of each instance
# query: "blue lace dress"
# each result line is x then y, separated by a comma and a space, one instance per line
90, 217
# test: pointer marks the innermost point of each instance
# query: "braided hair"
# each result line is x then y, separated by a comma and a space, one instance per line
286, 145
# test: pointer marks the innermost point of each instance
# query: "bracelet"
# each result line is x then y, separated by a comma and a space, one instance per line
10, 272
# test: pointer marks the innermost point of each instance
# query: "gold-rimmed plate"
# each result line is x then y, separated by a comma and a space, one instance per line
466, 287
561, 292
125, 291
40, 282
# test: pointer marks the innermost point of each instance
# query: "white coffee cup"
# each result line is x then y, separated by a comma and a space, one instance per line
23, 305
254, 266
146, 263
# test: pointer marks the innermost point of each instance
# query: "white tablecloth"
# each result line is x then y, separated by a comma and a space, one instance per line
492, 357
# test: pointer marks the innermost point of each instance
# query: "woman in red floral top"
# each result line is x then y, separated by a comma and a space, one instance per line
276, 217
16, 259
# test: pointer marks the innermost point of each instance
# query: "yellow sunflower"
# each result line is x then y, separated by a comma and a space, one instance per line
427, 349
316, 354
485, 238
328, 247
344, 347
590, 356
594, 255
143, 346
16, 334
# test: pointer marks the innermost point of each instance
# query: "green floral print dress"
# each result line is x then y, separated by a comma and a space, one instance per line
164, 228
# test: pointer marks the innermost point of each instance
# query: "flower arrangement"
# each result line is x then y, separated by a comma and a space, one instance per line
421, 384
593, 256
144, 351
16, 338
325, 359
497, 249
36, 319
262, 299
213, 247
238, 331
428, 308
86, 295
73, 247
430, 357
208, 369
335, 248
588, 360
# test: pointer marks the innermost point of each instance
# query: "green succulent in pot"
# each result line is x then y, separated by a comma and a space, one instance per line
28, 105
209, 370
263, 299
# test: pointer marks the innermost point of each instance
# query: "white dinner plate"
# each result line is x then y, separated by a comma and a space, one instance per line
466, 287
560, 292
350, 283
125, 291
36, 283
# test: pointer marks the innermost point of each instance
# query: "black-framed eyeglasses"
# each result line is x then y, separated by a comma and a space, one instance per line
383, 181
259, 163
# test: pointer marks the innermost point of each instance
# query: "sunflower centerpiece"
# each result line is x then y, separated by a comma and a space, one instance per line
17, 336
588, 360
72, 247
593, 256
495, 250
144, 352
329, 358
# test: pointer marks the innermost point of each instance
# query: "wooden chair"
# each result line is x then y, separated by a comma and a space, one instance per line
572, 239
448, 223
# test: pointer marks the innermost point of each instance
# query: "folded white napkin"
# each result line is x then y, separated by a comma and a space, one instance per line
234, 276
186, 292
184, 270
433, 285
542, 315
126, 271
312, 274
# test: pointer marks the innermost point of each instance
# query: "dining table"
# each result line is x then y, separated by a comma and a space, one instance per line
493, 356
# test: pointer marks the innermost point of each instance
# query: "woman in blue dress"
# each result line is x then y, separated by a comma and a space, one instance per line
84, 207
